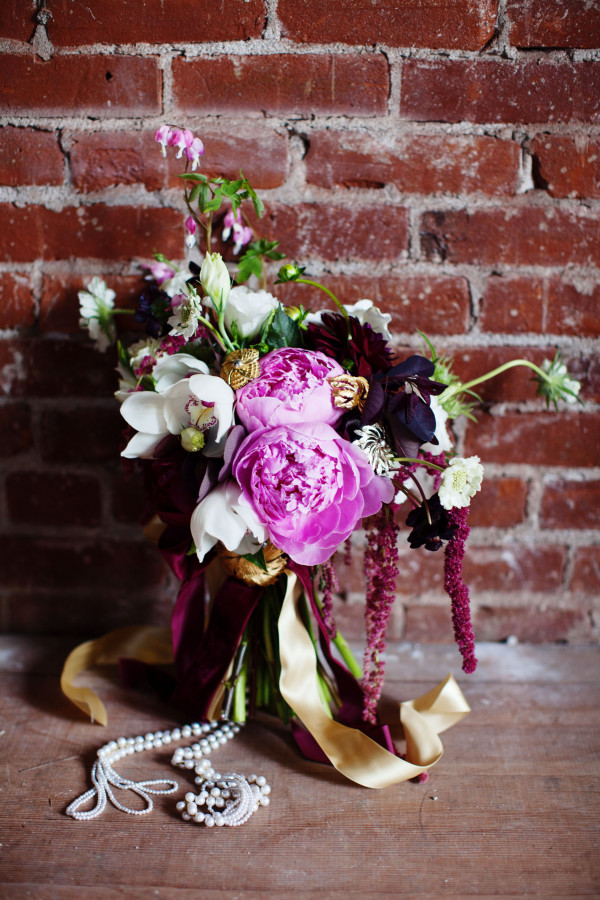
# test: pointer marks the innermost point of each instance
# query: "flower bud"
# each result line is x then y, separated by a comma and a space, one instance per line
192, 439
215, 279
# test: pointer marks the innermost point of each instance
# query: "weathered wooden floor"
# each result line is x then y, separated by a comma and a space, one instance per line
510, 811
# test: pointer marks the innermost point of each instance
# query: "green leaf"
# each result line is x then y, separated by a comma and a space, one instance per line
283, 331
258, 559
232, 187
192, 176
203, 197
214, 204
195, 192
248, 265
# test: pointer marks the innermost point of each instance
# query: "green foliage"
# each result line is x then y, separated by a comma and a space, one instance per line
283, 331
251, 262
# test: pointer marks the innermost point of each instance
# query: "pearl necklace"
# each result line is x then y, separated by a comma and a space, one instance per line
229, 799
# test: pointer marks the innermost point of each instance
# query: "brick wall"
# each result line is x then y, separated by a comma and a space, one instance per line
442, 159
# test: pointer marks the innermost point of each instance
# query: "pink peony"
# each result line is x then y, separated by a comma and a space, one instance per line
308, 486
292, 387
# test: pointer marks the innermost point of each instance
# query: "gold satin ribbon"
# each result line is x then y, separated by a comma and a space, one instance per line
146, 644
352, 753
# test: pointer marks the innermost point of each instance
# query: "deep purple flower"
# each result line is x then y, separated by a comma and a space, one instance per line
428, 533
308, 486
154, 308
362, 351
400, 397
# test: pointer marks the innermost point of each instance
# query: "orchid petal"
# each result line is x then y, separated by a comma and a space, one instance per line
144, 411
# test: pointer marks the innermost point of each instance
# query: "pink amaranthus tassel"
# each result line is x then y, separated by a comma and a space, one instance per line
381, 570
457, 590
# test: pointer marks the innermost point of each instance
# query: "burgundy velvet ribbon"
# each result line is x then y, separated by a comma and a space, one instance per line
350, 691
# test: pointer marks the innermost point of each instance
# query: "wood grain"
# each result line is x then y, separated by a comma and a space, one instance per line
510, 811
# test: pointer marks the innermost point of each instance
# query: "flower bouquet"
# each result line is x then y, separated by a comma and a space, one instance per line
266, 436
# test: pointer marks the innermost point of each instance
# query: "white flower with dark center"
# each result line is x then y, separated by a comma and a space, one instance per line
187, 310
373, 441
460, 481
95, 308
365, 311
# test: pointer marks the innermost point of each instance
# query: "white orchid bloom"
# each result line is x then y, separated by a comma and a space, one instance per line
444, 444
363, 310
202, 402
460, 481
249, 310
221, 517
170, 369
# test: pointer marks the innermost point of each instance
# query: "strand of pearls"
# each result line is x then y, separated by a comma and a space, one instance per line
233, 797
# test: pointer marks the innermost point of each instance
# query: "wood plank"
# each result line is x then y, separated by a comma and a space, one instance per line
511, 809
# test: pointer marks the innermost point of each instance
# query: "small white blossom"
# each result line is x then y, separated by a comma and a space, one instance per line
560, 386
95, 308
215, 279
187, 310
460, 481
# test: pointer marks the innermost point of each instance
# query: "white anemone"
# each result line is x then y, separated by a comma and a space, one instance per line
460, 481
366, 313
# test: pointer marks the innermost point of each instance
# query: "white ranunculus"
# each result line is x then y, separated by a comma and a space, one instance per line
249, 310
203, 402
363, 310
220, 517
444, 444
215, 279
460, 481
170, 369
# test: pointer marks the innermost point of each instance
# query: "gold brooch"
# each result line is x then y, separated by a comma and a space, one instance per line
349, 391
240, 367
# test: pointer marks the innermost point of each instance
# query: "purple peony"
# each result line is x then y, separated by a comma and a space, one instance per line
292, 387
308, 486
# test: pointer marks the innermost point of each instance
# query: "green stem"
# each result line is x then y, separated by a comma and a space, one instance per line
421, 462
347, 655
327, 291
123, 312
455, 389
239, 696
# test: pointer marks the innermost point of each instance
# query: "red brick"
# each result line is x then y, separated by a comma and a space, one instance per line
586, 369
518, 305
333, 232
530, 623
586, 571
429, 624
420, 164
155, 22
17, 20
98, 232
571, 504
283, 84
514, 385
554, 23
16, 301
500, 503
539, 439
500, 91
262, 153
128, 502
59, 303
101, 160
86, 611
514, 567
568, 166
15, 428
53, 498
49, 368
125, 565
28, 156
114, 86
84, 434
463, 24
436, 304
526, 236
